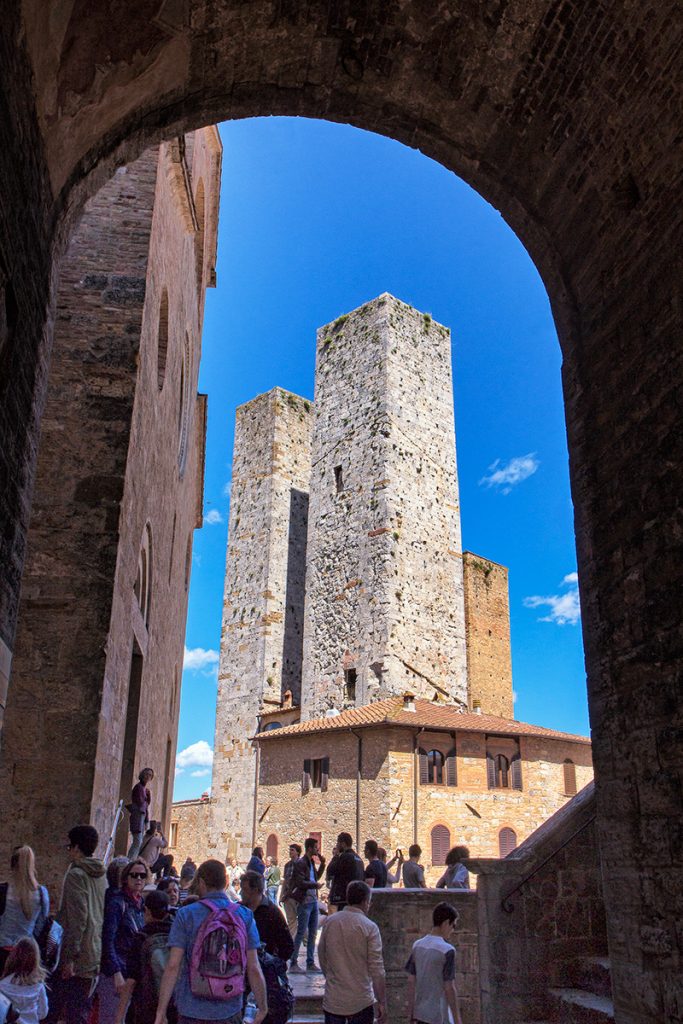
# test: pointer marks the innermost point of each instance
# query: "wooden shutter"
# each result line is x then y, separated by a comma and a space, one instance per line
451, 771
306, 777
491, 771
569, 769
424, 768
516, 771
507, 841
441, 842
324, 774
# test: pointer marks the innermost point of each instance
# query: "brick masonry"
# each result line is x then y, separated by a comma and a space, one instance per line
546, 109
95, 680
487, 626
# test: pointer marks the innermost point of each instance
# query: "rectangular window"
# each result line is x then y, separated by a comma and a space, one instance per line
173, 839
316, 774
338, 479
350, 684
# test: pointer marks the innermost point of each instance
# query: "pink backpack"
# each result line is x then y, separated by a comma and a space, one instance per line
219, 955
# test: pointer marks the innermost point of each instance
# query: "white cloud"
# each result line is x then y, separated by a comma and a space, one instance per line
506, 475
213, 517
227, 488
198, 658
200, 773
198, 755
564, 609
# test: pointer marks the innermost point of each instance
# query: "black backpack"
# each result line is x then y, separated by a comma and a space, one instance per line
278, 989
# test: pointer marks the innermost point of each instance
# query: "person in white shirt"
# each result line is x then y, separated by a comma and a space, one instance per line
456, 875
24, 982
432, 994
350, 955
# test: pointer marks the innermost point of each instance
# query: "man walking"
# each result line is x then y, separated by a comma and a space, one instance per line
272, 927
413, 872
350, 952
305, 885
80, 914
211, 882
431, 972
286, 899
346, 866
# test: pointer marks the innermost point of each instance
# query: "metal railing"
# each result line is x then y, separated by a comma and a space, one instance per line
506, 905
118, 816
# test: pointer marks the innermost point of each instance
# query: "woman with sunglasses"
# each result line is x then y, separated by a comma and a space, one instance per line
124, 916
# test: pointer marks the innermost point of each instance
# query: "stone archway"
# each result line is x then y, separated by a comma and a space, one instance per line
547, 108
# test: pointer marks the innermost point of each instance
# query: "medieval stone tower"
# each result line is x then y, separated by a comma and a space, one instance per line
262, 630
384, 579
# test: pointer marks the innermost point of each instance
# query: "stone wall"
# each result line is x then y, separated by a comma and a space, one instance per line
403, 916
557, 911
98, 657
384, 592
189, 830
473, 813
487, 627
261, 637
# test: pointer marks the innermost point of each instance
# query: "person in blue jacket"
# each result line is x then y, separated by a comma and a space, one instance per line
124, 917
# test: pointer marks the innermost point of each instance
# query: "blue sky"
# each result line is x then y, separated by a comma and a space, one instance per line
316, 219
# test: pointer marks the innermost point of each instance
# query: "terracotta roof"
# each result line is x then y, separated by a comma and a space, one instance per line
426, 715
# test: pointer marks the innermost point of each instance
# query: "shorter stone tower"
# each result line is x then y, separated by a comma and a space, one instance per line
262, 632
384, 587
487, 620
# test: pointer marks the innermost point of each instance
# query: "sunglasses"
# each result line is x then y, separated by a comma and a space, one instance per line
137, 874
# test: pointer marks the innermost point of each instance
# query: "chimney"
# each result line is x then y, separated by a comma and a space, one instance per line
476, 707
409, 701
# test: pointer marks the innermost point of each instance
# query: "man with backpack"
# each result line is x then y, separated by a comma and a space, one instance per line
276, 947
147, 961
213, 946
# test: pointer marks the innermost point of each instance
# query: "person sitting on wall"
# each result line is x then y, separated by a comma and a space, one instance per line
413, 872
270, 921
456, 875
257, 863
138, 808
150, 851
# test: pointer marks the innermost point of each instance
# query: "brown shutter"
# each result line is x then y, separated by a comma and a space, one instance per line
569, 769
424, 768
306, 777
325, 774
491, 771
451, 771
516, 771
441, 841
507, 841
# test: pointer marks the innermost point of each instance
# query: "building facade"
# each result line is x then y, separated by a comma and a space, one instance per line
99, 647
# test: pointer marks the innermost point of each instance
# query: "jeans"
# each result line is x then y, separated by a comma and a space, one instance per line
307, 921
365, 1016
70, 1000
136, 843
272, 894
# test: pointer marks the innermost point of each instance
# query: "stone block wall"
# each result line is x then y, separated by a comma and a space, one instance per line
384, 591
262, 630
557, 911
96, 673
188, 831
487, 626
405, 915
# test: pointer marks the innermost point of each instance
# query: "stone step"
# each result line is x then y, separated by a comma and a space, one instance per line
307, 1018
576, 1006
591, 973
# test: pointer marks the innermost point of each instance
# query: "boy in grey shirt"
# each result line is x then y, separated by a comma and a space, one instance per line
413, 873
432, 995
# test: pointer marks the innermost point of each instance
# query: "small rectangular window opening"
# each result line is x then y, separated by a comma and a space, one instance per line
350, 684
338, 479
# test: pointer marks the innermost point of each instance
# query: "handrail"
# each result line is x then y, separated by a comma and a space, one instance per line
505, 903
117, 820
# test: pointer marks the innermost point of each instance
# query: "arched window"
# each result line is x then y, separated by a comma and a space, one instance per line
271, 845
143, 580
507, 841
435, 766
441, 844
162, 339
569, 769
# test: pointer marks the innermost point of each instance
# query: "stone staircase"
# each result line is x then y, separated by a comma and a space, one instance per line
308, 992
580, 992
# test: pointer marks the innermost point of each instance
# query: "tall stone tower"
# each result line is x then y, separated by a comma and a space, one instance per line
384, 577
487, 620
262, 631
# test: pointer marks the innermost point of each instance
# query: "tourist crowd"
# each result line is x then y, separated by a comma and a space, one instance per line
135, 942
